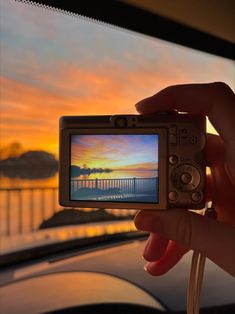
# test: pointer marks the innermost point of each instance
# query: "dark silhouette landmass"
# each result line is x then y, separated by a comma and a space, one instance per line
75, 217
77, 171
32, 165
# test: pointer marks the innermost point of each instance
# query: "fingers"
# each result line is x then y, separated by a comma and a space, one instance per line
216, 100
215, 157
155, 247
209, 191
171, 257
223, 188
162, 254
215, 152
215, 240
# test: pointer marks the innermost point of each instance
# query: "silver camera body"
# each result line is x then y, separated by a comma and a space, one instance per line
175, 178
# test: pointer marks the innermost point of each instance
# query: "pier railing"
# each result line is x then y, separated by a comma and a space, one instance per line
123, 185
23, 209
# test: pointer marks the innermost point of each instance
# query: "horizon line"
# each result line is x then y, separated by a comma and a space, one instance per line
118, 169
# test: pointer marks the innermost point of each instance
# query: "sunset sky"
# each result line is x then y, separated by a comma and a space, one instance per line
54, 64
116, 152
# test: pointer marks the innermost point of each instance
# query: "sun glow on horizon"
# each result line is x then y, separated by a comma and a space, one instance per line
53, 64
115, 152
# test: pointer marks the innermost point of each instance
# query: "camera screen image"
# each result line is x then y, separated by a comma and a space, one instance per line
114, 168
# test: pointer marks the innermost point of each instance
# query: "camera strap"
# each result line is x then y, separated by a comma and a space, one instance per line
198, 261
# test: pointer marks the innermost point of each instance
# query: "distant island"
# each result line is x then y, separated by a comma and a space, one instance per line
32, 165
71, 216
77, 171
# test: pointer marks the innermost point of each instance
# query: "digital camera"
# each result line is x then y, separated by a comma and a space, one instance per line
133, 161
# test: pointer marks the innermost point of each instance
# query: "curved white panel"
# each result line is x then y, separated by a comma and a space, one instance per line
61, 290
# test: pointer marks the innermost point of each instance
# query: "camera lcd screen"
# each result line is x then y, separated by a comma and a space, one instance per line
115, 168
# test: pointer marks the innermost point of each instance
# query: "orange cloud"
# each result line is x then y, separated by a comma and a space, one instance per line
147, 166
30, 111
30, 114
116, 152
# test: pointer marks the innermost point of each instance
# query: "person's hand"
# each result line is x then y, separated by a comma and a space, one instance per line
175, 232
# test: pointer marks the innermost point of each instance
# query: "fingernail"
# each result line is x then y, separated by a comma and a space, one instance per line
138, 105
146, 267
139, 102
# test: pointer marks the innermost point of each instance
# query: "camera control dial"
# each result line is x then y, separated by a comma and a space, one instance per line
185, 177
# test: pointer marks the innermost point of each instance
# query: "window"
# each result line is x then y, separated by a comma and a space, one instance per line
55, 64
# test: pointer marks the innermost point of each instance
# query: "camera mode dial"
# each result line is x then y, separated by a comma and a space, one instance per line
185, 177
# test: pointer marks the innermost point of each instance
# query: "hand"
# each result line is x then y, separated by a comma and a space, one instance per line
175, 232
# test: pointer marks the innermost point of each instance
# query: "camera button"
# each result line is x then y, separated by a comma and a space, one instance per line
196, 196
173, 159
173, 139
186, 178
173, 196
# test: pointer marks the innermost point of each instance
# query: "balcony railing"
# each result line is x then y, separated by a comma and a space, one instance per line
23, 209
114, 189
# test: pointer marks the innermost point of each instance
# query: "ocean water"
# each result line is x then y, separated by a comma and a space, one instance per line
119, 175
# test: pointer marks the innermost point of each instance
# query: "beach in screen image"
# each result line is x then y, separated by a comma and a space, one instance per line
114, 168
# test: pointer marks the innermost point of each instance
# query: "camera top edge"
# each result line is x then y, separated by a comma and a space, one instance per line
131, 120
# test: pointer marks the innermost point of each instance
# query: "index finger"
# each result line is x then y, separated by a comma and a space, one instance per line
216, 100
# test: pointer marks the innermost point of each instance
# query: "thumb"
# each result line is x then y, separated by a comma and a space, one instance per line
204, 235
230, 161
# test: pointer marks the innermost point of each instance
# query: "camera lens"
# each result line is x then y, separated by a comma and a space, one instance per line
121, 122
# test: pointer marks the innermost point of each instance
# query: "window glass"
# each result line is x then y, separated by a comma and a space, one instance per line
55, 64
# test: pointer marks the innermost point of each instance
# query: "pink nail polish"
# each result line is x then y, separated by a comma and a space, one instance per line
146, 267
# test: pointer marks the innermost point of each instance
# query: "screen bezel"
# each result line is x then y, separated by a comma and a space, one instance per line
65, 162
